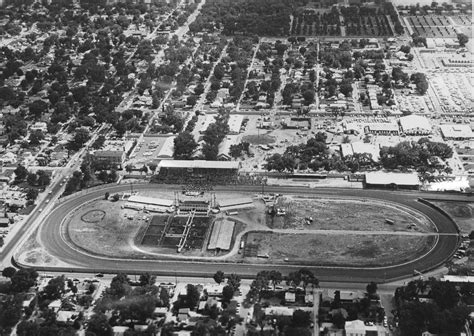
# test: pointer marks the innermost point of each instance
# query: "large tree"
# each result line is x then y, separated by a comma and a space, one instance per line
219, 277
463, 39
99, 325
184, 146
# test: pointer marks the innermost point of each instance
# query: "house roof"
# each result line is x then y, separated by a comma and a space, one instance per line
278, 311
382, 178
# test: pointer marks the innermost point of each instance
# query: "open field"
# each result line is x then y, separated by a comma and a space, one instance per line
110, 236
338, 214
461, 212
350, 250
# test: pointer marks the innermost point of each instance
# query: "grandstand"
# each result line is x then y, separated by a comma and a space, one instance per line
201, 207
180, 171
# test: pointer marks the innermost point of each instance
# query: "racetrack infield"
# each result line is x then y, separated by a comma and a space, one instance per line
120, 231
338, 250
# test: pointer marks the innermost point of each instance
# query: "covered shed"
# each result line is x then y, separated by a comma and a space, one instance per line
221, 236
392, 181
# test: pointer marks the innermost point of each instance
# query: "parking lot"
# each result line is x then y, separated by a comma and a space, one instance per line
147, 150
454, 91
466, 155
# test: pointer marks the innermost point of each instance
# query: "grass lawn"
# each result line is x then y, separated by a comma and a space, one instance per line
262, 139
342, 214
350, 250
461, 212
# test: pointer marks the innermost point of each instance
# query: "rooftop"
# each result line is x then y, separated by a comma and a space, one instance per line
413, 122
150, 200
382, 178
457, 131
199, 164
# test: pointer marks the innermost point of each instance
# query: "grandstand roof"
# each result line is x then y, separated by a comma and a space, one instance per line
150, 200
221, 236
199, 164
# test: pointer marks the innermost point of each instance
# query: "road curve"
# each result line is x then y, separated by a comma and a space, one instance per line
53, 243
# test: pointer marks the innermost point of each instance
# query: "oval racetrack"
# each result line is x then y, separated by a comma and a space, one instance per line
50, 237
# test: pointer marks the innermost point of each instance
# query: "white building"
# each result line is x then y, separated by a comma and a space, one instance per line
39, 126
235, 123
360, 328
456, 132
167, 150
360, 148
8, 158
224, 147
415, 125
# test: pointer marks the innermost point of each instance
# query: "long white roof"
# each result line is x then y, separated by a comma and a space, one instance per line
221, 236
382, 178
150, 200
199, 164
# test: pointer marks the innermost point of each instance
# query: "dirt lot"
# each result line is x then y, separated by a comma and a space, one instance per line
340, 214
461, 212
338, 249
110, 236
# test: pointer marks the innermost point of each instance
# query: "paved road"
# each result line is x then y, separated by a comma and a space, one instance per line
50, 237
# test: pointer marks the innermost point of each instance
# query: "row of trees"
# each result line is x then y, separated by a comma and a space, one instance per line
420, 155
